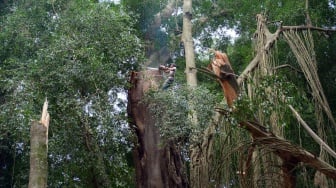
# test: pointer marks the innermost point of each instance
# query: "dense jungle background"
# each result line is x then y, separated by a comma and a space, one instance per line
80, 55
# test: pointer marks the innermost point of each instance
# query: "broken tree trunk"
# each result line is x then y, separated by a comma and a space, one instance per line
156, 166
39, 150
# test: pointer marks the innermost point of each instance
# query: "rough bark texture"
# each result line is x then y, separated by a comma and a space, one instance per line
271, 39
39, 151
290, 154
156, 166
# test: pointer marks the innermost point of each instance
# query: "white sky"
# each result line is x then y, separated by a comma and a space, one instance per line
114, 1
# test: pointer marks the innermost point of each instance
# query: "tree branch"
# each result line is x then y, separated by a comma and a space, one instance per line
287, 65
285, 150
312, 134
271, 39
306, 27
165, 13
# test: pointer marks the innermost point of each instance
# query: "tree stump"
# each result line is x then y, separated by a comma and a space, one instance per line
39, 150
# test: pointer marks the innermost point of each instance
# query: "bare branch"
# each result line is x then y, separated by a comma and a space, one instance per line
312, 134
287, 65
253, 64
271, 39
307, 27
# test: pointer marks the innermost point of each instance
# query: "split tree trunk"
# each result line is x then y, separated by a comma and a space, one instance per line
156, 166
39, 150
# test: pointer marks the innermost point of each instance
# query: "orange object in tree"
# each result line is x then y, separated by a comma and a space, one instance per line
221, 67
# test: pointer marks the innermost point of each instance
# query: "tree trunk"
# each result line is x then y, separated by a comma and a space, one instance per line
198, 172
188, 44
156, 166
39, 150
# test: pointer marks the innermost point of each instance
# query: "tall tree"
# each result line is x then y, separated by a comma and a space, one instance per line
77, 54
188, 42
269, 107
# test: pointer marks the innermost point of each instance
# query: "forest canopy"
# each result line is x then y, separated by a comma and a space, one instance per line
80, 55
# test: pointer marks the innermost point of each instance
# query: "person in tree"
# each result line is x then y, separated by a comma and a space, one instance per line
170, 70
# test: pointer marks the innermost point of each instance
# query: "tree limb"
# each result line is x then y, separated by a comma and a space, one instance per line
162, 54
287, 151
165, 13
312, 134
287, 65
271, 39
306, 27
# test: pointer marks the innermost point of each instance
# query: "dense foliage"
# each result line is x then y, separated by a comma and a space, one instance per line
78, 54
172, 110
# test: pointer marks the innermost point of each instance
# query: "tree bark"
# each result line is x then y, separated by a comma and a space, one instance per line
188, 44
271, 39
156, 166
199, 176
39, 150
290, 154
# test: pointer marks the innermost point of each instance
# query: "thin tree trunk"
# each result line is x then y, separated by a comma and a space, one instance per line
39, 150
198, 166
189, 44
